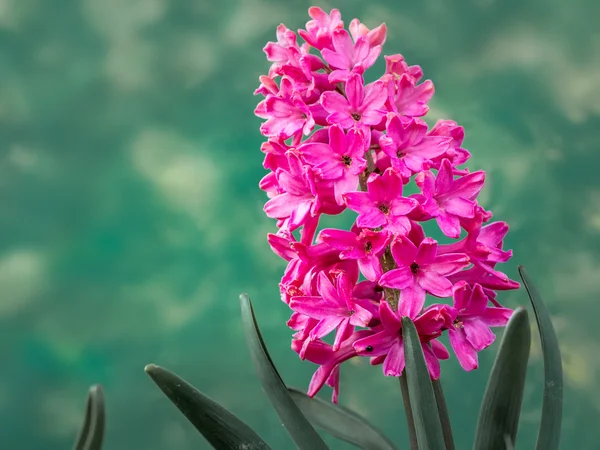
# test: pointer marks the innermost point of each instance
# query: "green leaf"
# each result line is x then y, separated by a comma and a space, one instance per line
443, 413
220, 427
501, 405
92, 431
296, 424
549, 432
341, 422
422, 398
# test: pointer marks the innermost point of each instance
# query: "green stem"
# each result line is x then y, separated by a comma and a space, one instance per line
410, 421
443, 413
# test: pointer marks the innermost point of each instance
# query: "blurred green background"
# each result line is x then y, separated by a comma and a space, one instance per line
131, 218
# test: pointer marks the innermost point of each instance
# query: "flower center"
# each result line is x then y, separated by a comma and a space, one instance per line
400, 154
347, 160
355, 116
384, 208
458, 324
368, 247
414, 267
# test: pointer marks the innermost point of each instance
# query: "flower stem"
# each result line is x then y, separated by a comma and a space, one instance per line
410, 421
443, 413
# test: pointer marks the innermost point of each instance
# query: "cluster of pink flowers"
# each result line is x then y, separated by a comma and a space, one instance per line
336, 143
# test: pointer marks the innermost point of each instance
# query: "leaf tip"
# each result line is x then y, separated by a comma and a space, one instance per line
150, 368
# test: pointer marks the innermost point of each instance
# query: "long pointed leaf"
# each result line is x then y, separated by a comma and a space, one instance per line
341, 422
501, 405
443, 413
220, 427
422, 398
549, 431
91, 434
296, 424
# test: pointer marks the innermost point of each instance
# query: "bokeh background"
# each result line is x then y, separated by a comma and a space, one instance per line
131, 219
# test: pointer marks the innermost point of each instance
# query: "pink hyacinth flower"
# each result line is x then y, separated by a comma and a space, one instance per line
299, 199
335, 308
278, 52
376, 36
286, 113
318, 31
470, 332
362, 107
382, 204
349, 57
448, 199
365, 247
388, 342
421, 271
341, 160
408, 146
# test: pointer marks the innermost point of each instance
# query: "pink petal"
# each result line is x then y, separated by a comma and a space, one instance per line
439, 349
334, 102
449, 263
372, 218
469, 186
433, 364
496, 317
434, 284
348, 182
400, 278
342, 118
478, 334
354, 91
326, 326
412, 300
342, 240
426, 252
375, 96
404, 251
449, 224
375, 345
317, 308
389, 318
394, 361
361, 316
344, 47
466, 354
337, 140
282, 206
445, 177
370, 268
344, 329
402, 206
460, 206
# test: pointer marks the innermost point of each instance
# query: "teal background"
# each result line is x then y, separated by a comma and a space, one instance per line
131, 218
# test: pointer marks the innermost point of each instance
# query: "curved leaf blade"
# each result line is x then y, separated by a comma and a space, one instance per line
422, 398
91, 434
220, 427
550, 427
341, 422
296, 424
501, 406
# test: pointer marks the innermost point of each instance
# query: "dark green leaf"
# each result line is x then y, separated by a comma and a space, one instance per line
296, 424
92, 431
501, 405
220, 427
443, 413
549, 432
341, 422
422, 398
